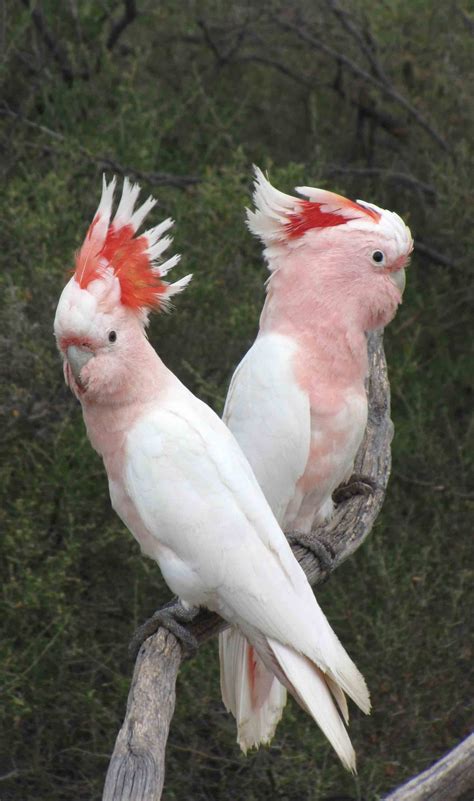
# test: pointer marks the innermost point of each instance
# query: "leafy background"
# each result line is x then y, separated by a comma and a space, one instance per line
370, 99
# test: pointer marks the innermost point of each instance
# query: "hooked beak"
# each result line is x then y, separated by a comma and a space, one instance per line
399, 279
78, 358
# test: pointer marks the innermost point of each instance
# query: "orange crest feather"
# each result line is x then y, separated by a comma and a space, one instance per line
132, 258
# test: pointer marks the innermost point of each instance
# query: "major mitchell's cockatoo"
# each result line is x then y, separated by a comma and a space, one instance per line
177, 477
297, 403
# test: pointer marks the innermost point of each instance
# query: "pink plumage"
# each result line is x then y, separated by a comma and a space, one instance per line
297, 402
181, 484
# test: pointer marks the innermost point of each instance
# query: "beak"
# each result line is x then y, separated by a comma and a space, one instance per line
78, 358
399, 279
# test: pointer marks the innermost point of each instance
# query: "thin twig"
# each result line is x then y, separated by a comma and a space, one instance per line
129, 14
385, 88
345, 19
57, 52
387, 175
153, 178
435, 255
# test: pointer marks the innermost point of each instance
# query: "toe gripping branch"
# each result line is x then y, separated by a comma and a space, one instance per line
320, 549
358, 484
319, 545
171, 617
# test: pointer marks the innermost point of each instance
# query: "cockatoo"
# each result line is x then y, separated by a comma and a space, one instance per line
177, 477
297, 403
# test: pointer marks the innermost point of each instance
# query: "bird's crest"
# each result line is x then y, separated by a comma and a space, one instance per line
281, 218
134, 260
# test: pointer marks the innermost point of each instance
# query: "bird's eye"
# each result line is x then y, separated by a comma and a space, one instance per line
378, 257
112, 336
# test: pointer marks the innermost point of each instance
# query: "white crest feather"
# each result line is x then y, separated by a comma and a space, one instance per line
142, 211
166, 266
153, 234
125, 208
174, 289
155, 251
272, 210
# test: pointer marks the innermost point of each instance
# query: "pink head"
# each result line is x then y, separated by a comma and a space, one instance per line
332, 251
118, 279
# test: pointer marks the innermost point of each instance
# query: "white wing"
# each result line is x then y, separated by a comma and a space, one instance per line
219, 545
269, 415
217, 541
196, 495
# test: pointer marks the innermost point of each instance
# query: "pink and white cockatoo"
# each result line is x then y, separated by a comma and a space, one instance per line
177, 477
297, 403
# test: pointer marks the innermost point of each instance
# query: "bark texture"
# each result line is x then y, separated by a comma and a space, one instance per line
449, 779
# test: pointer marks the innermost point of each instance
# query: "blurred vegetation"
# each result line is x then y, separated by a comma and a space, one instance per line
370, 99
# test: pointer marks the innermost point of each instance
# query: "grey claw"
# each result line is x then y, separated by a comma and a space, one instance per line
170, 617
357, 485
321, 550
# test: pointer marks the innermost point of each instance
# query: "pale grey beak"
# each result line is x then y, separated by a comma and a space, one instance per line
78, 358
399, 279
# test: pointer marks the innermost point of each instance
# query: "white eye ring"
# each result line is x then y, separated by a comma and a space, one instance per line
378, 256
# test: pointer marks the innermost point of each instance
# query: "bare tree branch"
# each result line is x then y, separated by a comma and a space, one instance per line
153, 178
386, 174
344, 60
450, 779
435, 255
136, 771
129, 14
346, 21
57, 52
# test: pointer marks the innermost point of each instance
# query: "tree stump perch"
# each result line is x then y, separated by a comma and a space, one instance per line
136, 770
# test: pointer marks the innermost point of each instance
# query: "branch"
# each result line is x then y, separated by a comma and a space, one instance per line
153, 178
449, 779
52, 45
385, 87
435, 255
367, 47
129, 14
387, 175
136, 770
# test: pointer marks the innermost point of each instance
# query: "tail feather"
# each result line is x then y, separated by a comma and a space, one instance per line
249, 691
310, 687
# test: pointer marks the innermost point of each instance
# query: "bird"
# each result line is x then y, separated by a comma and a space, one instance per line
177, 477
297, 402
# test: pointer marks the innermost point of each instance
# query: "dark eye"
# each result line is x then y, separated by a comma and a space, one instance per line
112, 336
378, 257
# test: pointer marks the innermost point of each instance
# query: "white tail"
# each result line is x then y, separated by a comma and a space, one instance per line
310, 687
249, 691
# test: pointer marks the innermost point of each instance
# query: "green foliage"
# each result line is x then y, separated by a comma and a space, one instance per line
73, 582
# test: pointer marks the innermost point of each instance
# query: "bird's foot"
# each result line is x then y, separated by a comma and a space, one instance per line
171, 617
322, 550
357, 485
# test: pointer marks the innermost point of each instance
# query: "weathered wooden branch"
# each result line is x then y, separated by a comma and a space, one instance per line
136, 770
449, 779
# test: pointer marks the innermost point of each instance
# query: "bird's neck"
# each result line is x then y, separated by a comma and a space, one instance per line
108, 419
322, 322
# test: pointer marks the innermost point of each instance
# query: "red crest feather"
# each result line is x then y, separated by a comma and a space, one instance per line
132, 258
333, 210
279, 217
